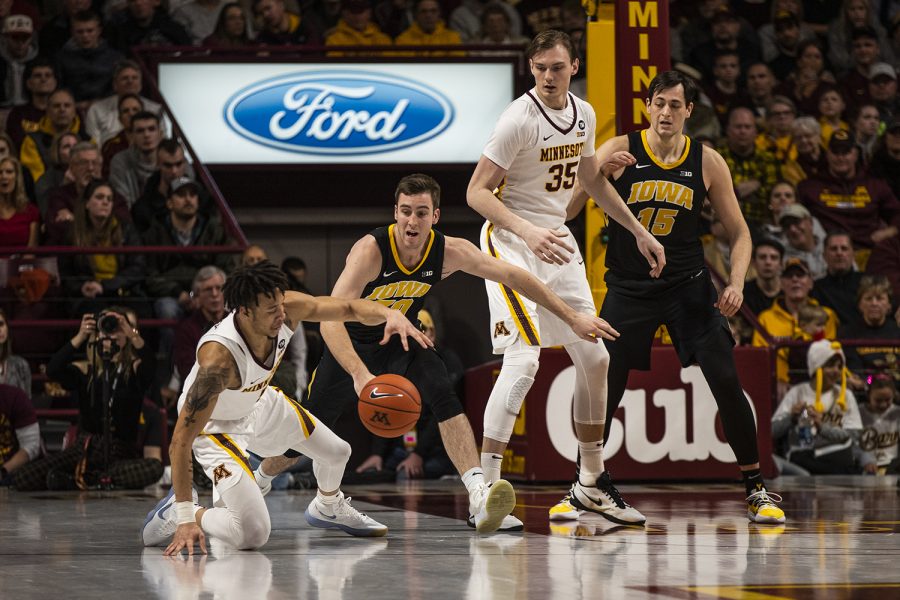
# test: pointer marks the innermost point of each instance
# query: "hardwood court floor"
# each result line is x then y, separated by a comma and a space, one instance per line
842, 540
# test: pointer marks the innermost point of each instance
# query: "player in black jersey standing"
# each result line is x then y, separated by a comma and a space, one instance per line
397, 266
664, 177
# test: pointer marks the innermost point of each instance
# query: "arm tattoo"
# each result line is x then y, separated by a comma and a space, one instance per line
209, 382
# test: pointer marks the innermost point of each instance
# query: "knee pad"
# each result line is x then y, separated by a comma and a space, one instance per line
591, 368
520, 365
255, 530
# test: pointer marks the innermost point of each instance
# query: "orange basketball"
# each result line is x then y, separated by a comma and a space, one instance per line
389, 405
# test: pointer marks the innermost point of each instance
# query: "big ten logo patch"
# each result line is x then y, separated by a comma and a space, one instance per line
399, 295
220, 473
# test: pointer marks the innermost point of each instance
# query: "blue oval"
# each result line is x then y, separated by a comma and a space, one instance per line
338, 113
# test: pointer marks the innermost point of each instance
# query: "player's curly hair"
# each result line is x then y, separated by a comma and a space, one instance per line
246, 283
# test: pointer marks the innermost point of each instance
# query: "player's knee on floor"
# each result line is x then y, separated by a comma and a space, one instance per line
255, 530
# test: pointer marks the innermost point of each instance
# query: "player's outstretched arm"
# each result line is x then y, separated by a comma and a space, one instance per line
721, 196
216, 372
593, 179
462, 255
547, 244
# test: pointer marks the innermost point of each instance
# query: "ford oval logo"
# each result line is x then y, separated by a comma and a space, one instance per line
338, 112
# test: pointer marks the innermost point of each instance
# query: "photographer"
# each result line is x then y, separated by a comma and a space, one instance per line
115, 349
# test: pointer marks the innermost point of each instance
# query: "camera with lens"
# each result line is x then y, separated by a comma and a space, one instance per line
107, 323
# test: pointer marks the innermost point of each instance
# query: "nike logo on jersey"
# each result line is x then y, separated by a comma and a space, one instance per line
386, 274
641, 166
374, 395
549, 136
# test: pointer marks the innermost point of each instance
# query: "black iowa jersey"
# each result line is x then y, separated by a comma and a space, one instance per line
399, 288
666, 199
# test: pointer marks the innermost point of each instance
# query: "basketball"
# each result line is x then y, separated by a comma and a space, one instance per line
389, 405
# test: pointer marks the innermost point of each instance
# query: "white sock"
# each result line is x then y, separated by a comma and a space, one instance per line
591, 462
263, 479
490, 464
473, 478
328, 501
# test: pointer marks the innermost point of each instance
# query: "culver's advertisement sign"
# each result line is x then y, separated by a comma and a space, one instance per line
313, 113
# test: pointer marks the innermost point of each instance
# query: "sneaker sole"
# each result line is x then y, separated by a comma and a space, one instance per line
470, 522
571, 515
577, 504
765, 520
500, 502
153, 512
316, 522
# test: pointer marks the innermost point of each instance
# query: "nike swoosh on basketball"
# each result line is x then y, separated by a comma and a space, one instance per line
386, 274
549, 136
641, 166
374, 395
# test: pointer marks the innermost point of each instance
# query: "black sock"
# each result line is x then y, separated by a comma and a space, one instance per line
753, 480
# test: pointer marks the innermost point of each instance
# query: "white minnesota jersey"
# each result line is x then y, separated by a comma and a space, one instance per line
541, 148
255, 376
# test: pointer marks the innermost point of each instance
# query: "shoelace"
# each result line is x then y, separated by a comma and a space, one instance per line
343, 506
606, 486
762, 497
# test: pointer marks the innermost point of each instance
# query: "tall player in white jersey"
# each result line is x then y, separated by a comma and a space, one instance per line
523, 186
228, 408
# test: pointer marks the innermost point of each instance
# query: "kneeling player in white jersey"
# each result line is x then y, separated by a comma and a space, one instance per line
228, 408
523, 186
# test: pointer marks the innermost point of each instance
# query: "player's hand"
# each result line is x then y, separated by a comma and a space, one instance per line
397, 323
548, 244
374, 462
730, 301
616, 161
653, 251
412, 464
589, 328
361, 379
185, 536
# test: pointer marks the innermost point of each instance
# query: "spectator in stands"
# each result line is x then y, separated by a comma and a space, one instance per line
253, 255
760, 89
58, 167
864, 53
806, 137
86, 61
102, 120
796, 225
466, 19
17, 48
60, 118
152, 205
754, 172
85, 165
129, 105
145, 23
760, 293
356, 28
58, 30
883, 91
873, 323
92, 280
881, 423
717, 250
885, 260
198, 17
131, 168
846, 198
723, 90
232, 28
780, 320
831, 112
496, 26
20, 218
40, 81
295, 269
725, 28
829, 410
855, 14
783, 15
280, 27
866, 124
132, 376
393, 16
428, 29
209, 309
14, 370
8, 149
787, 36
776, 137
886, 160
805, 82
170, 276
20, 435
837, 289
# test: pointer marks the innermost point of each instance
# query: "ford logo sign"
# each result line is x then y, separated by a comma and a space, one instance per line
338, 113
